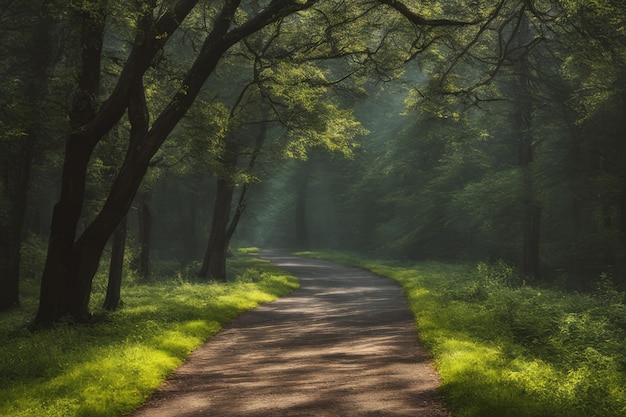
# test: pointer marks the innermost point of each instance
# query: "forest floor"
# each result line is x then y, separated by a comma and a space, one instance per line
344, 344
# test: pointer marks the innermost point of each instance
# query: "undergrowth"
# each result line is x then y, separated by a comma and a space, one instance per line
109, 368
507, 349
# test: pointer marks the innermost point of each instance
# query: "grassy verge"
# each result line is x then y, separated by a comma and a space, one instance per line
504, 348
110, 367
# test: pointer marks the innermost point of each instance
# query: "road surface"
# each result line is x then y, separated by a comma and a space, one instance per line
342, 345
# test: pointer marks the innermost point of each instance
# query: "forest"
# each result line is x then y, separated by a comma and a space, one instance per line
149, 139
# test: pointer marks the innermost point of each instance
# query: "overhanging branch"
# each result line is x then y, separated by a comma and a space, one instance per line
421, 20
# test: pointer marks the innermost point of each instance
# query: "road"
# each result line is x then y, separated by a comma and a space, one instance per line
341, 345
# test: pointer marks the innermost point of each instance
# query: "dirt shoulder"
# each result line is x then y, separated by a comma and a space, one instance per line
342, 345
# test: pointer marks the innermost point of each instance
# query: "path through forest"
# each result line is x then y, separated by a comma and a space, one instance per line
341, 345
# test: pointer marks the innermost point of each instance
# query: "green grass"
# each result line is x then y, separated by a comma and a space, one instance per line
506, 349
110, 367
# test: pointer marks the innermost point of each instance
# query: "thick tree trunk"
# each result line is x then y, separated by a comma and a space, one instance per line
56, 286
88, 248
70, 268
59, 289
116, 268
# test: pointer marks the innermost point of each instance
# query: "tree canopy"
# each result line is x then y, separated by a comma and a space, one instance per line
413, 129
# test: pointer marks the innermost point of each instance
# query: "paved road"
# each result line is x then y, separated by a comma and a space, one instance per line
341, 345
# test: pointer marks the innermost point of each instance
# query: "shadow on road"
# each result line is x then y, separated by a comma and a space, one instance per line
342, 345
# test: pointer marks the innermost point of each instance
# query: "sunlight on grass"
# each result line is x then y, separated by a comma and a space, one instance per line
509, 350
109, 368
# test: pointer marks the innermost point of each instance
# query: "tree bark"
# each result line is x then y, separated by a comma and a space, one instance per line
145, 236
241, 203
302, 236
61, 290
70, 267
531, 218
214, 263
620, 279
116, 268
55, 285
18, 165
187, 214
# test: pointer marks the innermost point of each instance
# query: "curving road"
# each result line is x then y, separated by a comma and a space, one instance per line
342, 345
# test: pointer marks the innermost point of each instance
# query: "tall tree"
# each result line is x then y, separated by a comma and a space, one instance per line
116, 269
34, 62
71, 263
523, 128
72, 258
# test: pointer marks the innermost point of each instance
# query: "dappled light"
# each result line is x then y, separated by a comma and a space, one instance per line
471, 150
342, 344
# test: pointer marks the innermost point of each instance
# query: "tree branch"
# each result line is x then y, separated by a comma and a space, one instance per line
421, 20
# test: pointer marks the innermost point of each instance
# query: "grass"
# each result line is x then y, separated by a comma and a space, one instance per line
110, 367
506, 349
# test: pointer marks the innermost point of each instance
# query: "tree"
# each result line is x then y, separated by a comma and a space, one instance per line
293, 97
523, 126
72, 262
112, 299
594, 70
72, 258
23, 126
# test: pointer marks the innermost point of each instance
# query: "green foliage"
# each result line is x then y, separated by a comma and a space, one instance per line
504, 348
110, 367
309, 113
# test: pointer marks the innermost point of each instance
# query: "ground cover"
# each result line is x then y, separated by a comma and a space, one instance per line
110, 367
505, 348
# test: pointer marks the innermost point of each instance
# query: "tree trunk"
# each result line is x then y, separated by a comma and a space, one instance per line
574, 155
531, 218
214, 263
620, 279
222, 229
145, 236
11, 231
56, 286
241, 204
66, 284
116, 268
187, 214
19, 164
302, 184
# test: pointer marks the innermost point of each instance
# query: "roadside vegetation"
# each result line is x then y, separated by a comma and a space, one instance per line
506, 348
109, 367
